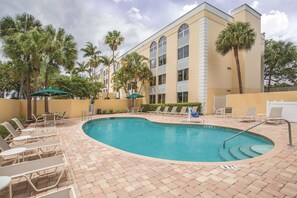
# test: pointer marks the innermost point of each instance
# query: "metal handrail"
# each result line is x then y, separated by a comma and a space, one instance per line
289, 131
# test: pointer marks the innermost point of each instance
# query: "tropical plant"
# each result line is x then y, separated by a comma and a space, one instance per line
80, 69
106, 61
280, 63
236, 36
12, 33
134, 71
8, 80
94, 59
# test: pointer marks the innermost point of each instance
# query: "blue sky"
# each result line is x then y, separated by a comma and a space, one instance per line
90, 20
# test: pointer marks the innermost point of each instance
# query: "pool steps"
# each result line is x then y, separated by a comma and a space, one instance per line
243, 152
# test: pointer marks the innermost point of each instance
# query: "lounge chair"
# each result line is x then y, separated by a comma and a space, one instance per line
275, 115
158, 110
28, 168
37, 119
140, 110
24, 130
165, 111
61, 117
250, 115
194, 109
226, 111
183, 111
17, 137
173, 111
65, 193
36, 147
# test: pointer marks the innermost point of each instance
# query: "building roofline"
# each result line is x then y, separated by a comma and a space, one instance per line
247, 8
197, 9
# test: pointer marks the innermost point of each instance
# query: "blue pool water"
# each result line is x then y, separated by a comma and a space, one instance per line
167, 141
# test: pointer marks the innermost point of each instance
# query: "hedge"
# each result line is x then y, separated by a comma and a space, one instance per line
153, 107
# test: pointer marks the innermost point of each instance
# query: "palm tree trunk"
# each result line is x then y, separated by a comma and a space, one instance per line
20, 92
46, 86
108, 82
29, 98
269, 79
35, 89
238, 69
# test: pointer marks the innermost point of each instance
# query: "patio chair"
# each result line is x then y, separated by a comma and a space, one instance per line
194, 109
50, 120
17, 137
183, 111
250, 115
61, 117
65, 193
275, 115
165, 111
36, 167
37, 119
36, 147
226, 111
158, 110
173, 111
23, 130
140, 110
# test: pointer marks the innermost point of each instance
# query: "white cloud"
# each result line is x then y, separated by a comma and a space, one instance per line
189, 7
255, 5
134, 14
274, 23
118, 1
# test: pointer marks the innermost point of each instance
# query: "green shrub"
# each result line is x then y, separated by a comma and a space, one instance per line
110, 111
104, 111
153, 107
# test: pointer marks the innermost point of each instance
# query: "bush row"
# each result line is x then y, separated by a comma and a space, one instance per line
153, 107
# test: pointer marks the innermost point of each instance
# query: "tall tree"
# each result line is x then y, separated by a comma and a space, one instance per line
113, 39
280, 62
134, 71
10, 30
236, 36
91, 51
106, 61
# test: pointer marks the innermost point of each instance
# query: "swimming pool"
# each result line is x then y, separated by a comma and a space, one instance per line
193, 143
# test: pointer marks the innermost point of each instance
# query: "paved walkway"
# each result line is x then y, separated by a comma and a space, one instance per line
98, 170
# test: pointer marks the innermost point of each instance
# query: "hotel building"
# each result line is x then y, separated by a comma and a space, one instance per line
184, 62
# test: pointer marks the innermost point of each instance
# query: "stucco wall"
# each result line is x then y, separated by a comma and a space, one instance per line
243, 101
9, 109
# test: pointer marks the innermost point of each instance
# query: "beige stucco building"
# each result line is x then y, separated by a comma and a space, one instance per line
185, 63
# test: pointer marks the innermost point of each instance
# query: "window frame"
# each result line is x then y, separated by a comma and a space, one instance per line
184, 97
162, 60
161, 98
183, 31
153, 47
162, 79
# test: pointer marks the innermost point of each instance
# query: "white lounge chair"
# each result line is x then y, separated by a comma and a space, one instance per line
17, 137
165, 111
37, 119
158, 110
275, 115
194, 109
183, 111
36, 147
173, 111
226, 111
28, 168
63, 193
24, 130
250, 115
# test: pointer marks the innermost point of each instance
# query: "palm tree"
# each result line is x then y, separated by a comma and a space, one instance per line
80, 69
60, 51
91, 51
236, 36
11, 30
106, 61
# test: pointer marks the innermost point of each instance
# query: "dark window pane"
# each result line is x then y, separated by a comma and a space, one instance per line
180, 75
186, 74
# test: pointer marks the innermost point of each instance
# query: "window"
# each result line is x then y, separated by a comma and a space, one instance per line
182, 97
162, 79
152, 99
153, 47
153, 63
183, 74
153, 81
162, 60
162, 42
183, 31
161, 98
183, 52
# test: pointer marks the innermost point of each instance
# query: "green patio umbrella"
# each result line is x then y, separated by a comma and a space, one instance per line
134, 96
50, 92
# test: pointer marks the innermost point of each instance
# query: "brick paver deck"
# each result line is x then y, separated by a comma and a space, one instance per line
98, 170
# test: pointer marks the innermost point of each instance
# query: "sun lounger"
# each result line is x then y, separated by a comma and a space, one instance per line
275, 115
183, 111
194, 109
36, 147
18, 137
173, 111
28, 168
165, 111
250, 115
158, 110
226, 111
24, 130
38, 119
65, 193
